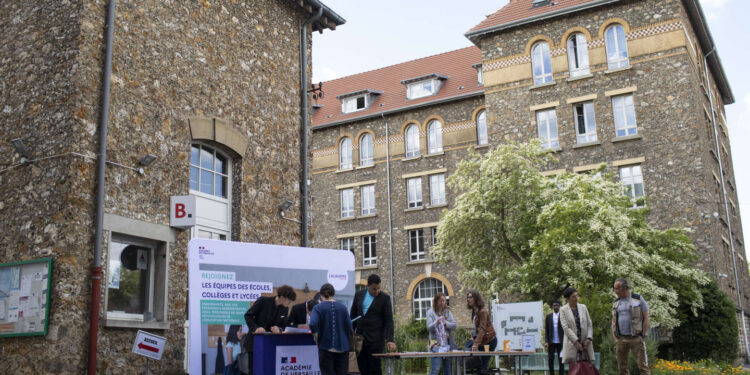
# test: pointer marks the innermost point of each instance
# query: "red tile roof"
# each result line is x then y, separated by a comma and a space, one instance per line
456, 65
517, 10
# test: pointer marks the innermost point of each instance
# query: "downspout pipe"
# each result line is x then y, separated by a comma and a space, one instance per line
726, 202
96, 275
305, 116
388, 191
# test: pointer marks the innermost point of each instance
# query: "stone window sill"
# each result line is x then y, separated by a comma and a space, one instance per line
367, 216
438, 206
369, 267
618, 70
585, 76
134, 323
366, 166
418, 262
344, 170
542, 85
626, 138
412, 158
477, 147
420, 208
554, 150
441, 153
346, 218
587, 144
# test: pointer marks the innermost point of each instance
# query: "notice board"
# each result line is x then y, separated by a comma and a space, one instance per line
25, 297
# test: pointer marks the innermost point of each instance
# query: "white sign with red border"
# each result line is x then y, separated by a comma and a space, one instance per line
149, 345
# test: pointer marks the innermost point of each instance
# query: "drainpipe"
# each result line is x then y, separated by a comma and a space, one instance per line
388, 191
726, 202
96, 276
305, 115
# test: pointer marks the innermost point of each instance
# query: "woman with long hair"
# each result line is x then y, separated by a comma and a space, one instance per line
484, 332
233, 346
440, 324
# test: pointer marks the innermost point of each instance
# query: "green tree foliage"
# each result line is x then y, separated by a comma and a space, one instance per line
513, 230
709, 334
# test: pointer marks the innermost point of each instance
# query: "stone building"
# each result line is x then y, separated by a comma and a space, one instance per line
634, 85
212, 91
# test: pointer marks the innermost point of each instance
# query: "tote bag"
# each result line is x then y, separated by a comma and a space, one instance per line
582, 366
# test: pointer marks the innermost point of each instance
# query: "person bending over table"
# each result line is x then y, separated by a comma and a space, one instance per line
268, 314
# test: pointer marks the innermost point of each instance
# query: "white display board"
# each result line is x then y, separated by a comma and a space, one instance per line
225, 277
513, 321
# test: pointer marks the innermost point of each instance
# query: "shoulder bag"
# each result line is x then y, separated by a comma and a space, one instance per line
582, 365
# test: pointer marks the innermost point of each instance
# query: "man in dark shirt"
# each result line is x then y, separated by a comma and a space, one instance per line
299, 317
268, 314
374, 320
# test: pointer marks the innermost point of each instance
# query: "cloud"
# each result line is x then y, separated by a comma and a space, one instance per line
325, 74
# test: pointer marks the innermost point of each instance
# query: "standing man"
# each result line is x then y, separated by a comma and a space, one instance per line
268, 314
374, 320
554, 333
630, 327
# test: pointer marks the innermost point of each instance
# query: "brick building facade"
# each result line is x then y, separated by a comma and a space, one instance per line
629, 84
212, 90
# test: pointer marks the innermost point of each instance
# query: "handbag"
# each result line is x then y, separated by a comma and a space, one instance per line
582, 366
355, 342
243, 362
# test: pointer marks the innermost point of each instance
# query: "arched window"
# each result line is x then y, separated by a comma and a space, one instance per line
365, 150
434, 137
617, 49
412, 141
423, 295
482, 128
209, 171
345, 153
541, 63
578, 55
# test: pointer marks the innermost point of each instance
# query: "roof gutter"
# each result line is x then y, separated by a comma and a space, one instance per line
400, 109
329, 19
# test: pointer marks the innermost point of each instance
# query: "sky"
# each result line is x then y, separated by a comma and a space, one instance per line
387, 32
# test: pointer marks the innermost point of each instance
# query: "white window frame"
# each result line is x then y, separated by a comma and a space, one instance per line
366, 157
369, 250
625, 105
435, 137
208, 204
416, 244
414, 192
578, 55
347, 203
424, 295
616, 45
352, 104
345, 153
482, 128
347, 244
411, 141
541, 58
367, 198
587, 120
630, 177
433, 233
215, 155
422, 89
480, 76
437, 189
546, 120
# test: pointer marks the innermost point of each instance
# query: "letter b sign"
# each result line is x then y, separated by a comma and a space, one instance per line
182, 211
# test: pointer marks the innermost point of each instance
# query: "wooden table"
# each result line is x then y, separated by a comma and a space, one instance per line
459, 356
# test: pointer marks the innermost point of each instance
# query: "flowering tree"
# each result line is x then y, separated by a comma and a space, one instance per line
514, 230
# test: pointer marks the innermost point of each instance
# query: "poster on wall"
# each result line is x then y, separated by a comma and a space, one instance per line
513, 321
24, 297
225, 278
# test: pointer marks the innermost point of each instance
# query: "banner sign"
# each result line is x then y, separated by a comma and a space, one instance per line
513, 321
297, 360
225, 278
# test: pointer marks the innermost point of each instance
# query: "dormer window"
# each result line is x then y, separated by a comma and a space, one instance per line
357, 101
480, 74
420, 87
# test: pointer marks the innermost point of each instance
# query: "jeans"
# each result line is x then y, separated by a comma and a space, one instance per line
435, 363
486, 359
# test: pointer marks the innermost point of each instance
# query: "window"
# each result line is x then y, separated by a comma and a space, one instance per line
433, 231
434, 137
423, 295
414, 192
347, 244
624, 113
345, 154
617, 50
578, 55
368, 199
585, 122
412, 141
354, 104
369, 256
632, 182
437, 189
131, 277
416, 244
480, 75
347, 203
482, 128
365, 150
421, 89
209, 171
546, 122
541, 63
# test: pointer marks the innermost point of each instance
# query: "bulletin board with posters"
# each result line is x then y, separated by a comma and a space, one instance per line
25, 297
